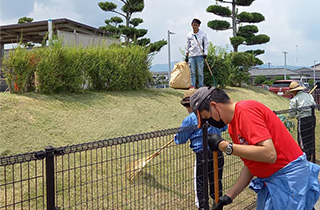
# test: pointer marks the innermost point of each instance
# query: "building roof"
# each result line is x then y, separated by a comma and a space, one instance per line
304, 69
309, 72
316, 65
36, 31
273, 72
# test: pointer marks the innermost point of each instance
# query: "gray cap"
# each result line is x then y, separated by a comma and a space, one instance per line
197, 98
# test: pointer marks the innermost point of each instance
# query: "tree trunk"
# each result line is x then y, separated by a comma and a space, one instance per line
234, 23
127, 25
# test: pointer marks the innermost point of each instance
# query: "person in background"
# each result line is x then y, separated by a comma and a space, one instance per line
285, 179
196, 54
306, 122
189, 131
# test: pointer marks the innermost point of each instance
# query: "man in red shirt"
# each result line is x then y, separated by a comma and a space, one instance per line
285, 179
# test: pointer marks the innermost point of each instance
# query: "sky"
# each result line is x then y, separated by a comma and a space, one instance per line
292, 25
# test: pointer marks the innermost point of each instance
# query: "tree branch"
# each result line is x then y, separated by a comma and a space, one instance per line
230, 2
118, 13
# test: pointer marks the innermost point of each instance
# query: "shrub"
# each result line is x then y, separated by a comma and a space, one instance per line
59, 69
220, 65
65, 69
18, 67
117, 68
259, 79
241, 62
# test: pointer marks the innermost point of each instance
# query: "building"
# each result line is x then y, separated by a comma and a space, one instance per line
303, 74
272, 73
311, 73
71, 33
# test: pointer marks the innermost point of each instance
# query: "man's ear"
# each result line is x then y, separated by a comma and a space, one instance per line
213, 103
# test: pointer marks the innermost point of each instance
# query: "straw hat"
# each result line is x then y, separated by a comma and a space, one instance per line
186, 97
294, 86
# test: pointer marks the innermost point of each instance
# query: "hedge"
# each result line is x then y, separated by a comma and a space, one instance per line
63, 69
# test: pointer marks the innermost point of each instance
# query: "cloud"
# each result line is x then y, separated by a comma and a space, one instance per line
11, 11
54, 9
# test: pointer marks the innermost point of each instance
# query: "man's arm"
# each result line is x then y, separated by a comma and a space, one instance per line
205, 43
292, 105
184, 133
262, 152
188, 44
242, 182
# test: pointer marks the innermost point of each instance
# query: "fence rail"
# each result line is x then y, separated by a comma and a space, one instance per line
93, 175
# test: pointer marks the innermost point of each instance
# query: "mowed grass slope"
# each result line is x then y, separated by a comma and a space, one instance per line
30, 122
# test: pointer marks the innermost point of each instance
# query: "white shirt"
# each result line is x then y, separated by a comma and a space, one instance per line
302, 99
193, 46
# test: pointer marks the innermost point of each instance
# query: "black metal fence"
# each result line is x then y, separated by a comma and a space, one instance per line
96, 175
316, 96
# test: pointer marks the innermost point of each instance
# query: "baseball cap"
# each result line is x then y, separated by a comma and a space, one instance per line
198, 98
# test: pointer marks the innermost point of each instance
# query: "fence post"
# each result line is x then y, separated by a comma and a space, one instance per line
205, 165
313, 134
50, 178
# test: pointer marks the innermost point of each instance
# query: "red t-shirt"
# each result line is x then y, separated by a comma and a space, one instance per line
252, 123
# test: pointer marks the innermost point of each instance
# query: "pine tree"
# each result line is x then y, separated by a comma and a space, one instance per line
245, 34
129, 30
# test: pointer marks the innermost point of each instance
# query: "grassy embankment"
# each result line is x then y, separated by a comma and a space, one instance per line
30, 122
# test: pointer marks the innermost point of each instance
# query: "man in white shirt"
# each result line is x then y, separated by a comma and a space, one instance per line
196, 54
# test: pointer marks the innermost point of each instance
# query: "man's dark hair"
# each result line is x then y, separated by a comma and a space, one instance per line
196, 21
217, 95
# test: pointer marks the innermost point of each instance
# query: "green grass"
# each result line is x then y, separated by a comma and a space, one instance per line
31, 121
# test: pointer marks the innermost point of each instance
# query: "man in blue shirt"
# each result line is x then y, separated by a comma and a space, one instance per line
189, 130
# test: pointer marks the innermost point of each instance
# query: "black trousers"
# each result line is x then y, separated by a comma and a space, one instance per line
199, 174
305, 130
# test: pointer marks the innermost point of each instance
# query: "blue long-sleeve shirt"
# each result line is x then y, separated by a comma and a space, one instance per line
189, 130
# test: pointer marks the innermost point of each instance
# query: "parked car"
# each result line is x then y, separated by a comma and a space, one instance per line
263, 86
162, 86
306, 85
281, 86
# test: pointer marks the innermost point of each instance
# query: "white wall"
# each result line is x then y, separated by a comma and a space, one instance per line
85, 40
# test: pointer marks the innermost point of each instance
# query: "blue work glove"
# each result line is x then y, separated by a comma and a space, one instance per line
204, 56
186, 59
223, 200
214, 141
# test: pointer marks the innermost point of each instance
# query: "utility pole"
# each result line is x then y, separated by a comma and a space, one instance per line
169, 57
314, 73
285, 65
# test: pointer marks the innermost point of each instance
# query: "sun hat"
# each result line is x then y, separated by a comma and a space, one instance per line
186, 98
294, 86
